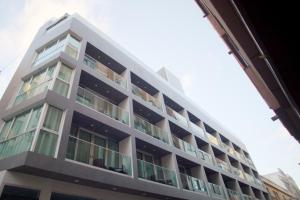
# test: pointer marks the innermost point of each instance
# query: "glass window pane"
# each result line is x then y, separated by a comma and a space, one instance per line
53, 118
65, 73
46, 143
49, 73
19, 125
61, 87
5, 130
35, 116
25, 87
38, 79
73, 41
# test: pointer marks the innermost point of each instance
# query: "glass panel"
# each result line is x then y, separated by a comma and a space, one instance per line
19, 124
105, 71
53, 118
16, 145
65, 73
192, 183
156, 173
5, 130
61, 87
146, 97
83, 149
150, 129
34, 119
181, 119
46, 143
99, 104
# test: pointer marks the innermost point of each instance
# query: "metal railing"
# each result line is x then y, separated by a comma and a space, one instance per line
101, 105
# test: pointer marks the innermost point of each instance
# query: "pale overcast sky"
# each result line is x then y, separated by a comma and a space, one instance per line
174, 34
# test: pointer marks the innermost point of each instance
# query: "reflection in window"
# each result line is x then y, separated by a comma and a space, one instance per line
67, 44
47, 139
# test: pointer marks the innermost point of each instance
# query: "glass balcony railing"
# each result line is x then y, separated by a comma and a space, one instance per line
249, 161
223, 165
146, 97
246, 197
216, 191
192, 183
240, 156
98, 156
101, 105
105, 71
197, 130
184, 146
249, 177
150, 129
257, 181
16, 145
234, 195
180, 119
152, 172
206, 157
213, 139
230, 150
237, 172
33, 91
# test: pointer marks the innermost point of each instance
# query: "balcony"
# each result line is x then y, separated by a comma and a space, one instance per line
150, 129
206, 157
249, 177
16, 145
216, 191
258, 182
178, 117
93, 101
223, 165
197, 130
101, 69
239, 156
234, 195
246, 197
213, 139
230, 150
237, 172
153, 101
80, 150
33, 91
184, 146
159, 174
192, 183
250, 162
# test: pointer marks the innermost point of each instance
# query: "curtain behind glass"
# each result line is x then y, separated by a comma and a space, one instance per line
53, 118
46, 143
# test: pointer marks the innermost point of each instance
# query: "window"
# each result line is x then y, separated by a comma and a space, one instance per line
35, 85
62, 82
66, 43
48, 136
42, 81
17, 134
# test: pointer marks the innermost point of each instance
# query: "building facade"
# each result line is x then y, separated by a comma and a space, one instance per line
83, 119
284, 181
277, 192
